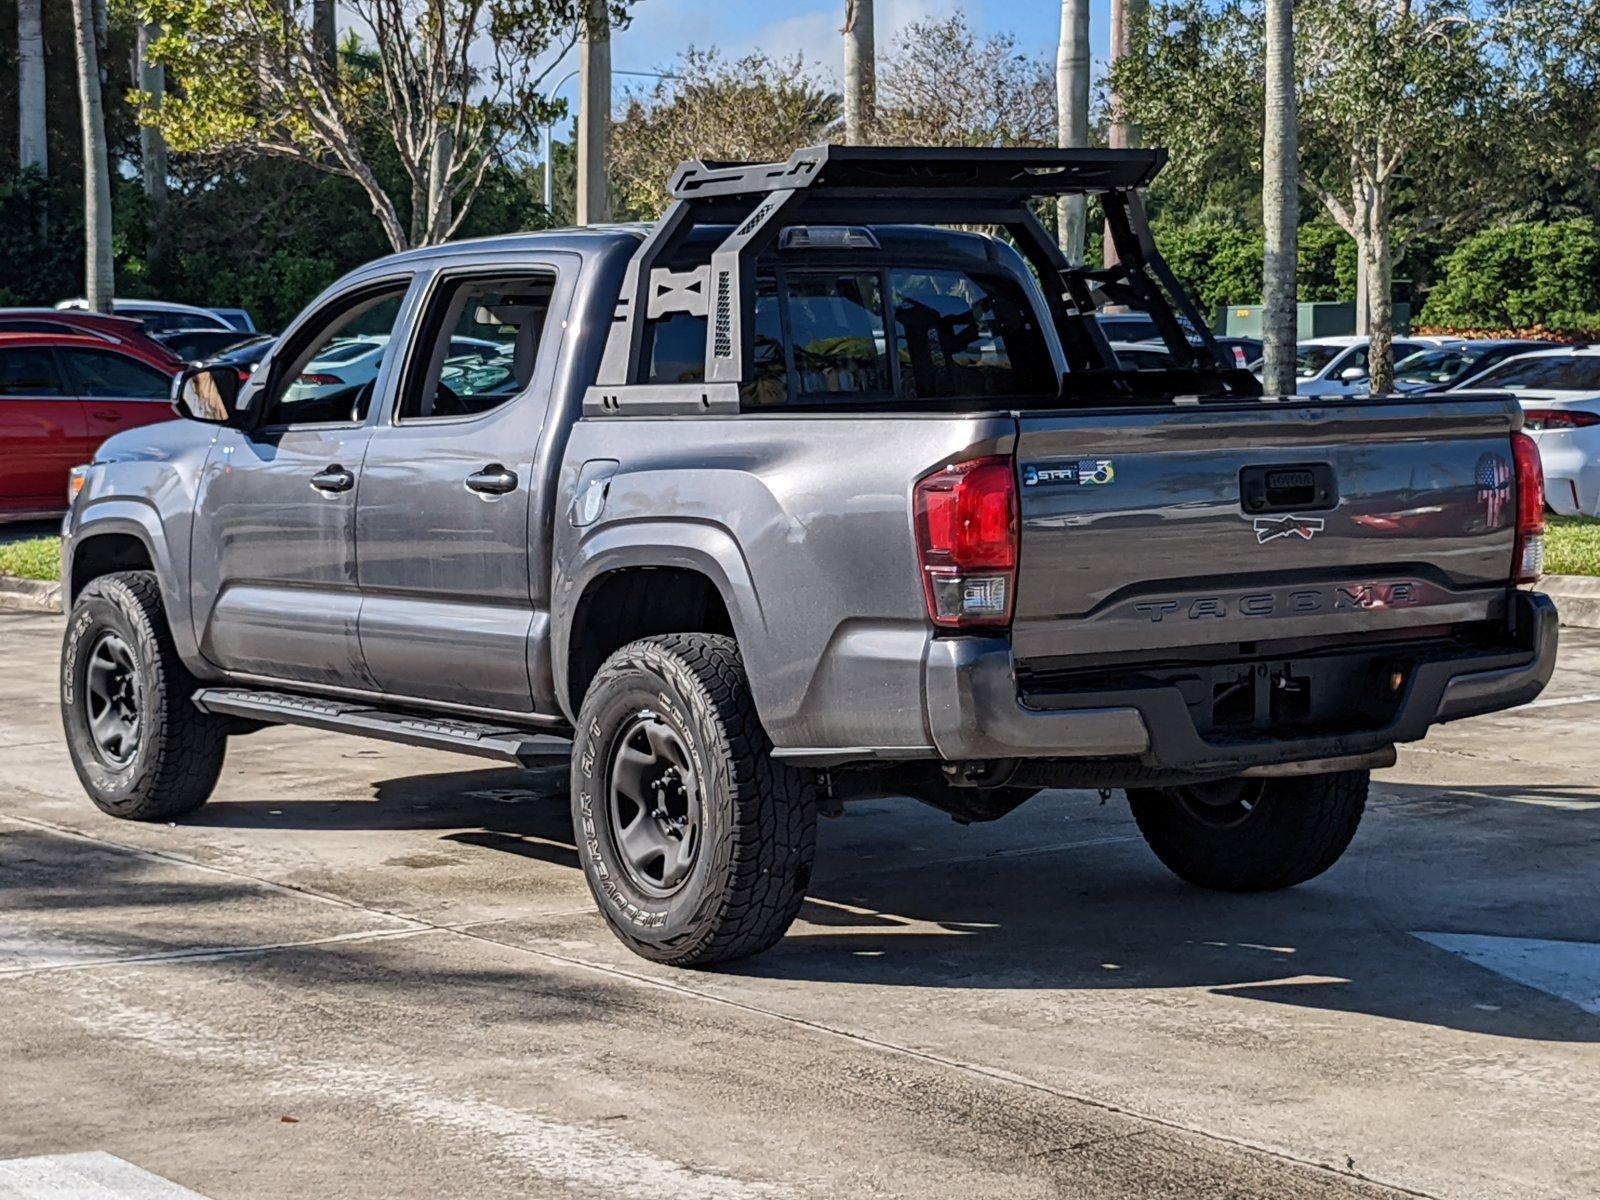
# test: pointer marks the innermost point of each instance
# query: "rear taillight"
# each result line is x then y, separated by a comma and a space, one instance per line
966, 518
319, 379
1527, 555
1559, 418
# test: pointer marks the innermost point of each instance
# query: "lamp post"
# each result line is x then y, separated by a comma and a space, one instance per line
549, 127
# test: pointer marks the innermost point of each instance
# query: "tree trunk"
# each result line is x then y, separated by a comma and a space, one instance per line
1380, 303
1121, 133
1072, 115
96, 174
33, 136
439, 207
594, 118
860, 72
325, 33
152, 143
1280, 204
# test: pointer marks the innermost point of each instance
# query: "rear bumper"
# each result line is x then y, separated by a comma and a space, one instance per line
976, 711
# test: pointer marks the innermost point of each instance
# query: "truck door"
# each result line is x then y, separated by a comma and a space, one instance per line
451, 484
273, 553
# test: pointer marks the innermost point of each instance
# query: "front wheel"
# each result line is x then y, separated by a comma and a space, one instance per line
1252, 835
696, 842
141, 749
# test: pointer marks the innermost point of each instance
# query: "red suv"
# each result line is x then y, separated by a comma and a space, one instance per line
61, 395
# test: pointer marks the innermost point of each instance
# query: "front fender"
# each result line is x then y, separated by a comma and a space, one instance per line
136, 518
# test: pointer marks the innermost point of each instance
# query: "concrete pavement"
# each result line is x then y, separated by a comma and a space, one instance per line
366, 970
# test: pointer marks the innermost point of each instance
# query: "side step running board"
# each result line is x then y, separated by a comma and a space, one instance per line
347, 716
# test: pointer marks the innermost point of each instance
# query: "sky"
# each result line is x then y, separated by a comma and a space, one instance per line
661, 29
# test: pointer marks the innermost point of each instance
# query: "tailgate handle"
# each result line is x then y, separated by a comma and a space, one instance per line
1292, 487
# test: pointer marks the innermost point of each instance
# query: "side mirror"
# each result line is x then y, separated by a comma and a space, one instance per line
209, 395
1351, 374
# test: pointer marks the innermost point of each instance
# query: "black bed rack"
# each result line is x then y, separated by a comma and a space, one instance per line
867, 185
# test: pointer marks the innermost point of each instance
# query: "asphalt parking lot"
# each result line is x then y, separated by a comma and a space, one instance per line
373, 971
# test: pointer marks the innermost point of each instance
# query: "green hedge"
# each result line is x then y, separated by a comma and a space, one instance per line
1220, 264
1535, 274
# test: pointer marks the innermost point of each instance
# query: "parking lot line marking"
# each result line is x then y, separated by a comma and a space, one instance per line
95, 1175
1569, 971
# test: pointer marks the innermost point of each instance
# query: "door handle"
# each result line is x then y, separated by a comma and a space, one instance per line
493, 480
103, 414
333, 479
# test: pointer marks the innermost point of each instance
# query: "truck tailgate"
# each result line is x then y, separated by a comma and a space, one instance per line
1199, 526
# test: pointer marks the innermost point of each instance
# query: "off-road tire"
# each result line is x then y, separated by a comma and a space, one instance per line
180, 749
758, 816
1297, 829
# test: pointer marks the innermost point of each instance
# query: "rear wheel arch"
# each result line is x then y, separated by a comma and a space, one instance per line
621, 606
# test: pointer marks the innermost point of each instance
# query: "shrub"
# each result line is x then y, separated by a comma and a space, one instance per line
1515, 277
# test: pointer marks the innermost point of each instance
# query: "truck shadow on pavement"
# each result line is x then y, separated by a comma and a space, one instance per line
1064, 897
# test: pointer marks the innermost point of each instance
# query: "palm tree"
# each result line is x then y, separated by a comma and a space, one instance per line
1072, 115
96, 174
325, 32
594, 117
1280, 203
33, 145
860, 72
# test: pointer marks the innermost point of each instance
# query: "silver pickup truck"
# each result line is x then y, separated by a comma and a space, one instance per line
799, 496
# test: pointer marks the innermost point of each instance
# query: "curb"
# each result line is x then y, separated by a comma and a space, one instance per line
29, 595
1577, 598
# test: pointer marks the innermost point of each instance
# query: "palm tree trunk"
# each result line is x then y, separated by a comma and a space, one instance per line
33, 141
860, 72
594, 118
1280, 204
1121, 133
152, 142
325, 33
96, 174
1072, 115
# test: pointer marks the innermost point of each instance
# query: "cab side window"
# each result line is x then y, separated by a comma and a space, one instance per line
106, 374
27, 371
330, 374
478, 347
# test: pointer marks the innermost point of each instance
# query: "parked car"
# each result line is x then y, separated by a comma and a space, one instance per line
192, 345
859, 511
1142, 356
61, 395
113, 330
1338, 366
245, 356
1128, 327
1438, 367
158, 316
1559, 390
239, 318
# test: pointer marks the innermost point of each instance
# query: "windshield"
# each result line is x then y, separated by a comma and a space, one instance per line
1545, 372
1309, 360
1437, 366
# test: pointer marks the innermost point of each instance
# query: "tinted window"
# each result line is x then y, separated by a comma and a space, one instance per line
102, 373
1131, 328
677, 349
1309, 360
1434, 366
28, 372
157, 321
836, 328
1553, 372
959, 337
34, 325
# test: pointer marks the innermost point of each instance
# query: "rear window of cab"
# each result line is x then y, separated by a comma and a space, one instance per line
826, 337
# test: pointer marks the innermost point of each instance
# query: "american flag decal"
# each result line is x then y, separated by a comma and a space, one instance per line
1494, 488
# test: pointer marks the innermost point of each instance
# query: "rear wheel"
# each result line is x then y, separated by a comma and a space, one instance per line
141, 748
696, 843
1252, 835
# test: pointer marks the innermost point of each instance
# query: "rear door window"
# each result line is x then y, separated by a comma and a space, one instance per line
28, 371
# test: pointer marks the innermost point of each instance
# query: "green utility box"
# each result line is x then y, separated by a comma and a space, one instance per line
1322, 318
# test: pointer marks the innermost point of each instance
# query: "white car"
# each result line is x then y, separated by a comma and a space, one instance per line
1559, 391
350, 362
1337, 366
160, 316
